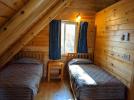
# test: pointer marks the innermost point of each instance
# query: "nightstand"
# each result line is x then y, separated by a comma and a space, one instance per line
57, 65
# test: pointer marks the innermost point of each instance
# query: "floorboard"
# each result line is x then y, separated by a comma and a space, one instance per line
54, 90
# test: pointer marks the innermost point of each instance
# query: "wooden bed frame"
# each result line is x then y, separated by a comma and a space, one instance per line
32, 54
76, 55
40, 55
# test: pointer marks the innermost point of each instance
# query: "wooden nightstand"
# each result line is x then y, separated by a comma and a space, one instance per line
58, 65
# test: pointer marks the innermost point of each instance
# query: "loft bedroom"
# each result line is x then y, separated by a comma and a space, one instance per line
66, 50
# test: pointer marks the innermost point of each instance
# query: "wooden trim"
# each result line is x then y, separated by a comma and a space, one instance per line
77, 37
71, 85
76, 33
131, 95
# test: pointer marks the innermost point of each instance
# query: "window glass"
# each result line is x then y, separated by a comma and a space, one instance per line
68, 30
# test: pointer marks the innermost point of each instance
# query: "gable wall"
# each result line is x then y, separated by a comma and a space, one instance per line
41, 41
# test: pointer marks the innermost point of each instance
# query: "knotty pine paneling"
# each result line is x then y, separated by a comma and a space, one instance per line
5, 10
2, 20
14, 4
86, 8
9, 8
70, 13
112, 52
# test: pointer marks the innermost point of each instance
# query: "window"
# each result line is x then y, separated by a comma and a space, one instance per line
68, 30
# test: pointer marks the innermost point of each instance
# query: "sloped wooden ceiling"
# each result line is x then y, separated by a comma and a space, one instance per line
26, 24
11, 7
20, 29
92, 5
86, 8
8, 8
101, 4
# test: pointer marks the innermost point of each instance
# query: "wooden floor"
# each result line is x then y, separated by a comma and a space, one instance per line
54, 90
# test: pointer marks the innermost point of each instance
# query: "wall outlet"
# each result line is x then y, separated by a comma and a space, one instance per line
126, 57
123, 37
126, 38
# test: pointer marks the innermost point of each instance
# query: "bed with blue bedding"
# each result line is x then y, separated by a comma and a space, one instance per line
90, 82
20, 79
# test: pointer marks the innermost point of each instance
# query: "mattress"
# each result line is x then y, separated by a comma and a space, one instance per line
90, 82
20, 81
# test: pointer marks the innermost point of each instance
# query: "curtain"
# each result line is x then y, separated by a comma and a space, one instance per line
82, 40
55, 39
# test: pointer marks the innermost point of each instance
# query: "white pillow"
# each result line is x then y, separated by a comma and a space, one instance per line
80, 61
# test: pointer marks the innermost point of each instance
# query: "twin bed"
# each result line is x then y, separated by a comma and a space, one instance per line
90, 82
20, 79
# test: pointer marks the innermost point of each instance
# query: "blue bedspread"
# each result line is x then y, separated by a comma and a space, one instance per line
20, 81
91, 82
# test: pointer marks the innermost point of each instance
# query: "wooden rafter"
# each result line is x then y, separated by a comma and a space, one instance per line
23, 21
40, 25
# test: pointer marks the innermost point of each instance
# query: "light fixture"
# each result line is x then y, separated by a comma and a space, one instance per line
78, 18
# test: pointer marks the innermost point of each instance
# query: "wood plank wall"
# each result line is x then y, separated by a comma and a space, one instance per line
41, 41
112, 52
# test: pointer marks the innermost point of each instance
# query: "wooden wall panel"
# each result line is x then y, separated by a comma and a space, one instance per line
112, 52
87, 10
70, 13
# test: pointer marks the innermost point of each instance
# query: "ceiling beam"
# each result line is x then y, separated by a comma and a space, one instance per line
23, 21
40, 25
